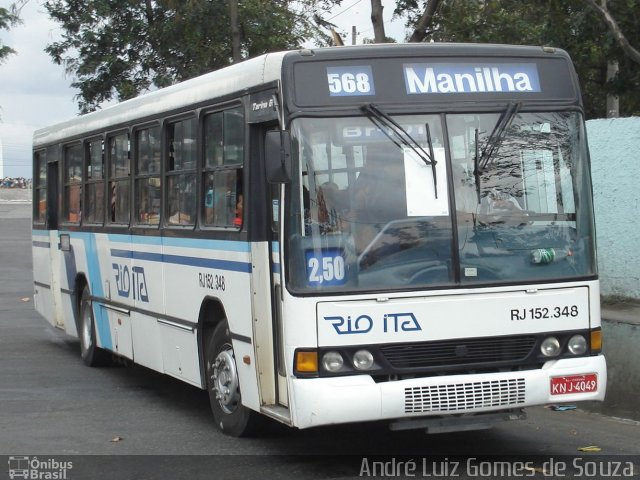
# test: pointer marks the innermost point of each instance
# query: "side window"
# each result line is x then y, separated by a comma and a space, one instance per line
222, 176
148, 196
40, 187
94, 182
72, 183
181, 172
119, 183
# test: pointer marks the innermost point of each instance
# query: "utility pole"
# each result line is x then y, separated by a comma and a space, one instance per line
235, 31
353, 35
613, 102
378, 21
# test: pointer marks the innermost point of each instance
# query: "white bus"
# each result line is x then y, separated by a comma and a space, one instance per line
384, 232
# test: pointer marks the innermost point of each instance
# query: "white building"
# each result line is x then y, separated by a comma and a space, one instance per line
1, 161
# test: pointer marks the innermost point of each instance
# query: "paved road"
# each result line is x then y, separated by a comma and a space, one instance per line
51, 404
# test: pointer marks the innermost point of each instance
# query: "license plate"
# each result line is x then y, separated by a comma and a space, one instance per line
574, 384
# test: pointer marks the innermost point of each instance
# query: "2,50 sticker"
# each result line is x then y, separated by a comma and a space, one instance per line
350, 81
326, 268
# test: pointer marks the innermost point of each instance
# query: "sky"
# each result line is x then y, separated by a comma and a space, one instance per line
34, 92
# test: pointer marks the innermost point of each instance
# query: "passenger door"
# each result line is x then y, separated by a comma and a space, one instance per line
266, 283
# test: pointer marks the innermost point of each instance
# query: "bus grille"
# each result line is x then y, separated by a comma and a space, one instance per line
464, 396
459, 352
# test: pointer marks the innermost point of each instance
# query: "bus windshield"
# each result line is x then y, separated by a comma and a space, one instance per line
496, 205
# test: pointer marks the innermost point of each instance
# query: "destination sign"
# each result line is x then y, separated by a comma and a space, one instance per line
466, 78
407, 80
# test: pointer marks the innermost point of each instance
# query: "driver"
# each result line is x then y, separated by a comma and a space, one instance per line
378, 194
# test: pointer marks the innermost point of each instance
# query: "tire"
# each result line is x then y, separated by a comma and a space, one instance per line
223, 385
91, 354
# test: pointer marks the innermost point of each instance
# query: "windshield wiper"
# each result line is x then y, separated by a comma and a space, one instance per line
494, 140
481, 162
400, 136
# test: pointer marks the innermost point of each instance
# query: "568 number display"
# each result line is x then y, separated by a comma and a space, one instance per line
350, 81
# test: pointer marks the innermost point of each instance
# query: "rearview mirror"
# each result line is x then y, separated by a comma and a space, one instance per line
278, 156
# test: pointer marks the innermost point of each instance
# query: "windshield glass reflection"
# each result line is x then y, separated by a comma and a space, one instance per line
368, 214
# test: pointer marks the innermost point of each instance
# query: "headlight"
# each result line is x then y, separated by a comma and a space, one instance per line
332, 361
577, 345
550, 347
363, 360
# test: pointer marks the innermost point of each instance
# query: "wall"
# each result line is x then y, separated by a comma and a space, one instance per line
615, 166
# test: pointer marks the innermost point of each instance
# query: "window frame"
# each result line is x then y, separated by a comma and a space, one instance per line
40, 187
137, 176
67, 184
239, 167
117, 179
91, 181
171, 173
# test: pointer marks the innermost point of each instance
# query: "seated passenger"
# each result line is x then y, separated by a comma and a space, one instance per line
330, 207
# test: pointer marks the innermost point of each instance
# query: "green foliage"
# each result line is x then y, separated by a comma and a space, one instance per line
8, 19
119, 48
568, 24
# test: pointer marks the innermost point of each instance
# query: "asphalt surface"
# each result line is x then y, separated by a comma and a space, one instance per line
136, 423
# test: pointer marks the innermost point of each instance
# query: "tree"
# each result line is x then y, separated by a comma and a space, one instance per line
8, 19
424, 22
377, 20
236, 37
120, 48
631, 52
567, 24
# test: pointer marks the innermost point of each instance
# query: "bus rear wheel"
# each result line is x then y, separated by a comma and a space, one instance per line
91, 354
223, 385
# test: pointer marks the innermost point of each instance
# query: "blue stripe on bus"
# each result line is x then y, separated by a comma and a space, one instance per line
225, 245
41, 244
95, 279
233, 266
276, 268
40, 233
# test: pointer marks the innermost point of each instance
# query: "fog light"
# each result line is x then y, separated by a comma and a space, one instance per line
577, 345
332, 361
363, 360
550, 347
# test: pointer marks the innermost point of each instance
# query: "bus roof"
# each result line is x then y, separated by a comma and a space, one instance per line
244, 75
255, 72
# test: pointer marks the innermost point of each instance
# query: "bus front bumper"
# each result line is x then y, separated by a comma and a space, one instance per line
323, 401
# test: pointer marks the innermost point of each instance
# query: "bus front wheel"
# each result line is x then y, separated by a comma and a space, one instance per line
223, 386
92, 355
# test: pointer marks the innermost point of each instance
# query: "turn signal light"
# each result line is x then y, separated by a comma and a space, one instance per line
306, 361
596, 340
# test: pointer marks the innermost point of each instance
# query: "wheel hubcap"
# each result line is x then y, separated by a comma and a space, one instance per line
225, 381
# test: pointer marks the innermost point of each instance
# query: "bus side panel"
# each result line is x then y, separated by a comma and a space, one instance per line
116, 282
171, 280
70, 263
148, 297
195, 270
43, 295
145, 333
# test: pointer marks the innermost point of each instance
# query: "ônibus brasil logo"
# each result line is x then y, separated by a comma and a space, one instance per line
38, 469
